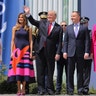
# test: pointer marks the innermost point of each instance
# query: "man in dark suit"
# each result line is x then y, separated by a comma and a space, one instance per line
88, 62
35, 37
61, 64
35, 34
50, 34
76, 49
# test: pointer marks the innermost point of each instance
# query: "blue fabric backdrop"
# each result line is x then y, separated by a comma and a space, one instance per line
9, 10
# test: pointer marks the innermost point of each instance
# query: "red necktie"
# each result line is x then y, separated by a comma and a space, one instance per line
49, 28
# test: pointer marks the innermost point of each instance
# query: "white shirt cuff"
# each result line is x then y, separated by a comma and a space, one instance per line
28, 15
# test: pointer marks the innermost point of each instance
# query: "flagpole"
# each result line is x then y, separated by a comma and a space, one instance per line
24, 2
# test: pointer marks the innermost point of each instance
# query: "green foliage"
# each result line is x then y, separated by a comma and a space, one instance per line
33, 88
2, 70
7, 88
92, 91
63, 91
11, 88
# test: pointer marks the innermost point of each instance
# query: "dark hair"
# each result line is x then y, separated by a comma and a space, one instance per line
77, 12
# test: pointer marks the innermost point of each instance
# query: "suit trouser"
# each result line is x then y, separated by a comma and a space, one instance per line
61, 64
79, 63
41, 63
40, 68
86, 75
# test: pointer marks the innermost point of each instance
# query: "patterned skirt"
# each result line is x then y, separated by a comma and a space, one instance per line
21, 69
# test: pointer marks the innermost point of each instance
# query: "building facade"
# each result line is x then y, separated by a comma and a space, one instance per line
63, 8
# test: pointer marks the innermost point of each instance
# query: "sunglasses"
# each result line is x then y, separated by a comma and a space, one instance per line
63, 25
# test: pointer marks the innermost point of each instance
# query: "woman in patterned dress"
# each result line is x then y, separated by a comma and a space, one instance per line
21, 66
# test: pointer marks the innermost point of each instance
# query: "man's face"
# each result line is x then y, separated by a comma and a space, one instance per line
51, 16
64, 25
75, 17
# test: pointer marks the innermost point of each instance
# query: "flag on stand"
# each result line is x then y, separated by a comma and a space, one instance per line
9, 10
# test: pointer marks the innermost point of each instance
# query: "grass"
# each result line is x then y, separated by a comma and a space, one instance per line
6, 88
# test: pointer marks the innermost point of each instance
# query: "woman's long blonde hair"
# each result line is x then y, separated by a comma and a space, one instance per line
25, 24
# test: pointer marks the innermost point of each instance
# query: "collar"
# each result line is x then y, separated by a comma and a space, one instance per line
78, 24
53, 23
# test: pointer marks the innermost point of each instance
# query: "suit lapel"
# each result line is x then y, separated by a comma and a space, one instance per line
53, 30
73, 30
47, 28
79, 30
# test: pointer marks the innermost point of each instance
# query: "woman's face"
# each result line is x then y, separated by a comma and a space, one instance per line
21, 19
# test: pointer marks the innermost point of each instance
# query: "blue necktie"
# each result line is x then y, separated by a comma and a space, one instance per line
76, 29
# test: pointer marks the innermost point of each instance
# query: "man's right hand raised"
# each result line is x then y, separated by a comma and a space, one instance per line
26, 10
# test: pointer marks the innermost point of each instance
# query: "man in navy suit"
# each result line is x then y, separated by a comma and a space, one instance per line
50, 34
76, 49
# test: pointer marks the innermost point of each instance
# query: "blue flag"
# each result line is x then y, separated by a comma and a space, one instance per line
9, 10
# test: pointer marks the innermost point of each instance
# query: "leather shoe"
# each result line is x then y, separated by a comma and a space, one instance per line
46, 93
40, 93
51, 92
57, 92
85, 93
80, 93
70, 93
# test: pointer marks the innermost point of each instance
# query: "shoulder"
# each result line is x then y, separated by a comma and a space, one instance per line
69, 26
43, 21
56, 24
14, 29
30, 29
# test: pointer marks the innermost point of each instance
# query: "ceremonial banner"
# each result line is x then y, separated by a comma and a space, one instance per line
9, 10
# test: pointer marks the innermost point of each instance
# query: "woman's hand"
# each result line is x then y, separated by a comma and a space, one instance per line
30, 55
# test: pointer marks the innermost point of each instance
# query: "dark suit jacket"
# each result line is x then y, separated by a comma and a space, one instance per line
76, 45
52, 40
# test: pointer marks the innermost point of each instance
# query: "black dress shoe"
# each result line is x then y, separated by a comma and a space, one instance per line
51, 92
85, 93
40, 93
70, 93
57, 92
46, 93
80, 93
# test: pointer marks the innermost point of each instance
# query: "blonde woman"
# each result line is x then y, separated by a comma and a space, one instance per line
21, 66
